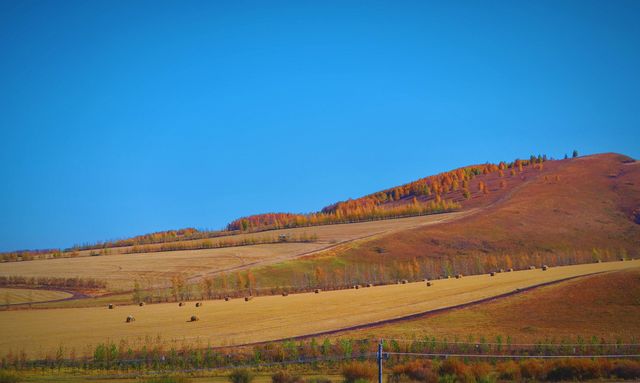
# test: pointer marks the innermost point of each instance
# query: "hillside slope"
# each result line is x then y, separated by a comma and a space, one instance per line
574, 211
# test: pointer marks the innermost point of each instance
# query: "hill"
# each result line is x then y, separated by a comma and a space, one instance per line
572, 211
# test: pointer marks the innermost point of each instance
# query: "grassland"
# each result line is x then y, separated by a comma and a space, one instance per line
15, 296
120, 270
263, 318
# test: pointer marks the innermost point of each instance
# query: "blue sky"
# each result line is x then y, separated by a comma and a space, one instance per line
125, 117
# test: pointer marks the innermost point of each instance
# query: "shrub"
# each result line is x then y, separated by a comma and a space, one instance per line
319, 379
481, 371
241, 375
533, 369
419, 371
167, 379
359, 371
508, 370
626, 369
573, 369
458, 369
285, 377
9, 377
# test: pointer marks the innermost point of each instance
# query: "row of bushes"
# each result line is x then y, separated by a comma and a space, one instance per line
58, 282
451, 370
455, 370
223, 243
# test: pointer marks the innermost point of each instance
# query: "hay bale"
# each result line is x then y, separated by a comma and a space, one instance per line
599, 261
501, 271
621, 259
428, 284
405, 281
510, 269
492, 274
369, 284
247, 299
458, 276
141, 304
194, 318
130, 319
111, 306
198, 304
532, 267
284, 294
180, 304
226, 299
544, 267
357, 287
317, 291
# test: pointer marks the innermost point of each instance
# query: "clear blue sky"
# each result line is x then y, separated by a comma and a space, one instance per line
125, 117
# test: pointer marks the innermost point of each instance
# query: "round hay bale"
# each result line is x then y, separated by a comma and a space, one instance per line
458, 276
369, 284
428, 284
284, 294
599, 261
198, 304
111, 306
357, 287
621, 259
317, 291
405, 281
180, 304
194, 318
501, 271
532, 267
492, 274
226, 299
544, 267
141, 304
130, 319
247, 299
510, 269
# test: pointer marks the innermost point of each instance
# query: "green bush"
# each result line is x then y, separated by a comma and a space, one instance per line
359, 372
9, 377
241, 375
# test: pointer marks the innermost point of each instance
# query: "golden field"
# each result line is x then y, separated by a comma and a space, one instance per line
157, 268
605, 306
263, 318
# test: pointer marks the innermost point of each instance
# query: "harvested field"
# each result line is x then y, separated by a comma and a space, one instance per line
16, 296
120, 270
266, 318
604, 306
